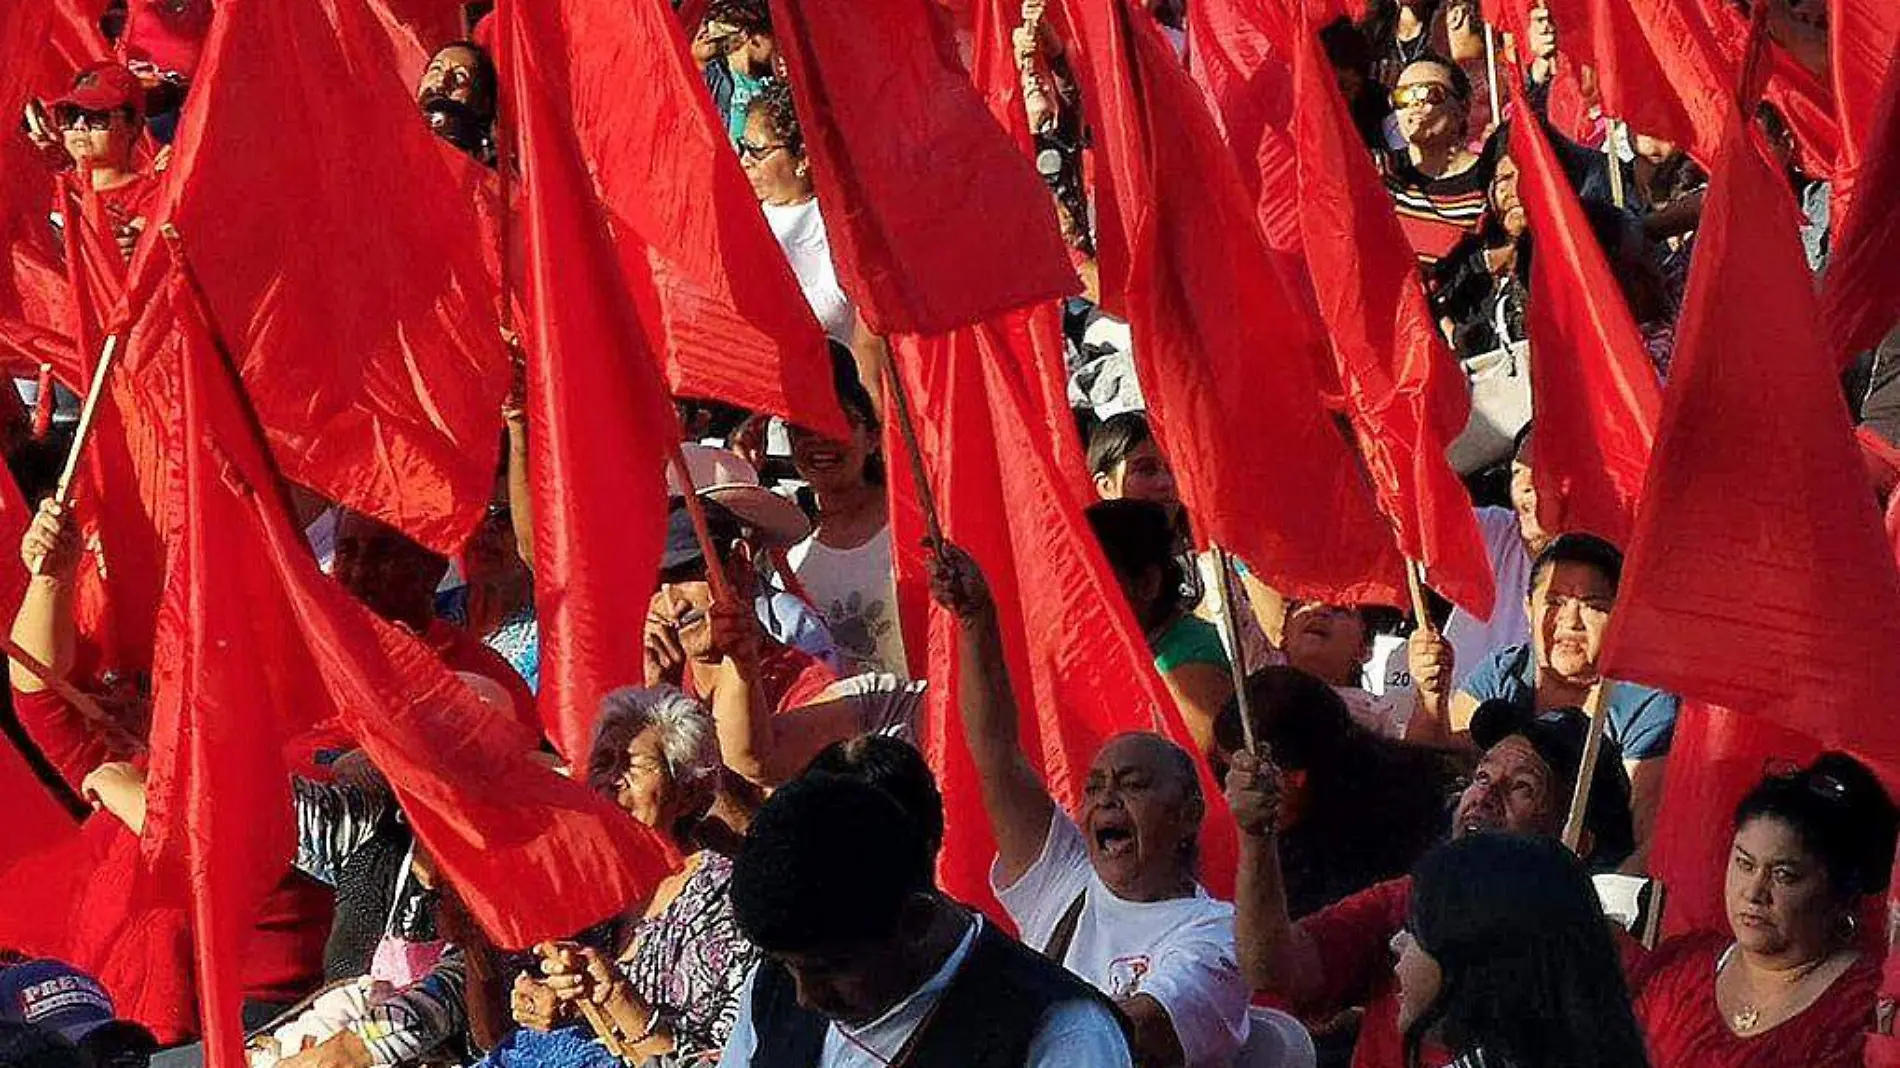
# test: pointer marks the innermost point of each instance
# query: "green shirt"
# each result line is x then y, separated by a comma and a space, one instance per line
1190, 640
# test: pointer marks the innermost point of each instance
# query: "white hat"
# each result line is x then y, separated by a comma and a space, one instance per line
724, 477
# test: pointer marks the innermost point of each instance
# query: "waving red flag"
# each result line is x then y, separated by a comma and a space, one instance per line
1766, 587
722, 306
936, 218
597, 409
1404, 391
1860, 292
1238, 53
1595, 392
383, 396
1863, 37
1263, 468
1658, 65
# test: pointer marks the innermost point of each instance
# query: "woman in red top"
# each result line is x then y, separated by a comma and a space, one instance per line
1790, 987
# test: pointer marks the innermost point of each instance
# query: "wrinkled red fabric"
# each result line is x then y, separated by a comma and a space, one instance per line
1863, 37
936, 219
1263, 469
1767, 588
1659, 67
1860, 291
384, 397
1593, 387
596, 405
168, 33
1404, 392
720, 304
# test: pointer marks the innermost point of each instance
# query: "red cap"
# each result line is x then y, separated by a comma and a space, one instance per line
104, 87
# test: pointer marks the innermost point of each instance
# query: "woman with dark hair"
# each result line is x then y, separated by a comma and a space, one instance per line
1138, 539
1787, 983
1398, 33
893, 766
1507, 962
845, 566
1357, 809
772, 153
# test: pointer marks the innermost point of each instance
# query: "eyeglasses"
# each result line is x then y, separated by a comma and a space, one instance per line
1420, 93
83, 120
757, 153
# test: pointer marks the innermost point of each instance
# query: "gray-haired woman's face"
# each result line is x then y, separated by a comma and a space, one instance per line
645, 790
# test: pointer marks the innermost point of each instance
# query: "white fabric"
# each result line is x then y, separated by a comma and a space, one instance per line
1260, 651
1179, 952
800, 230
855, 590
1080, 1033
1382, 714
1276, 1040
1474, 640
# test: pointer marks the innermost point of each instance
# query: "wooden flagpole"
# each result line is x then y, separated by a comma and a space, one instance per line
907, 429
88, 415
1586, 770
1223, 564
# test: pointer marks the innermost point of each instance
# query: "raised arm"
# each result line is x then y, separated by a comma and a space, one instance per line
43, 628
1276, 955
1019, 806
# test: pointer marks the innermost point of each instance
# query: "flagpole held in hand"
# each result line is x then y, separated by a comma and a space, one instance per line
1587, 768
907, 430
63, 493
696, 511
1421, 608
1230, 625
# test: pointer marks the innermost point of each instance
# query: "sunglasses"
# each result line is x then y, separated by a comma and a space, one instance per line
1420, 93
757, 153
81, 119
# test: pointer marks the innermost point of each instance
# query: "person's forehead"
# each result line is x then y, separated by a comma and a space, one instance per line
1574, 577
454, 56
1516, 756
1132, 753
1422, 73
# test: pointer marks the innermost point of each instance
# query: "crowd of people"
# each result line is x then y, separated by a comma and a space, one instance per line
1428, 814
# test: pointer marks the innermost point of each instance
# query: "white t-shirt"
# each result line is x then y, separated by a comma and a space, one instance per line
800, 230
1081, 1033
855, 590
1474, 640
1179, 952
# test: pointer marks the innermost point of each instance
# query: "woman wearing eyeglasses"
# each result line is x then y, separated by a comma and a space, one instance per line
772, 151
1787, 984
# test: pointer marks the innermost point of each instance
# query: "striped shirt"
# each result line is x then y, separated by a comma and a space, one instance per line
1436, 213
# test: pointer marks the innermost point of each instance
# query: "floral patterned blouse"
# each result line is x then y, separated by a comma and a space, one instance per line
690, 962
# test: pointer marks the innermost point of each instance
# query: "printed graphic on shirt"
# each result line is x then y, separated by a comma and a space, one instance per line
860, 628
1125, 974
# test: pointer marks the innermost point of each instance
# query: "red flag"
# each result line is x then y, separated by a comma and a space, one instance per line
936, 219
1658, 66
1595, 392
1763, 585
1404, 391
385, 396
1860, 290
597, 408
1263, 468
1802, 97
1238, 53
722, 306
35, 818
1079, 666
1863, 36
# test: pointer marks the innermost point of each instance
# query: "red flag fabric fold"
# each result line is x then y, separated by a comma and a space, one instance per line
1863, 37
597, 409
1404, 391
1659, 67
385, 396
1263, 468
936, 219
1860, 291
1595, 391
1759, 577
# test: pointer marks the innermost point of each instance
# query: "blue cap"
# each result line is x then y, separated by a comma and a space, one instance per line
53, 996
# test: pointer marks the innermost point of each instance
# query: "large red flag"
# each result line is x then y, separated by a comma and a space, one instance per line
1863, 36
1658, 65
1263, 468
1759, 577
597, 409
1238, 52
1595, 391
936, 219
384, 396
35, 818
1079, 666
1404, 391
723, 307
1860, 291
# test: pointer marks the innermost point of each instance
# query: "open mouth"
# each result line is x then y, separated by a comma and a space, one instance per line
821, 459
1114, 841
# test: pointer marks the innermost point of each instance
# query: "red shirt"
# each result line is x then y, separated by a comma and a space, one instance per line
1354, 939
1675, 1003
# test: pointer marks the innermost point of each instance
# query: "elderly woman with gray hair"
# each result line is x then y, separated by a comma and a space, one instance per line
671, 994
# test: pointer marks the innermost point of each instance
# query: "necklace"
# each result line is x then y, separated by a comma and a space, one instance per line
1747, 1017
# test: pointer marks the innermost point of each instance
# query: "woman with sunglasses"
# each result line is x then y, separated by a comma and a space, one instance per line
1506, 961
1787, 983
772, 152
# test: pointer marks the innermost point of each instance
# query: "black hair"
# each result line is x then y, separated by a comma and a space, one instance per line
1530, 975
1578, 548
1381, 23
855, 398
1138, 535
774, 104
25, 1046
1842, 815
1346, 46
118, 1044
487, 80
830, 862
893, 766
746, 16
1520, 443
1116, 437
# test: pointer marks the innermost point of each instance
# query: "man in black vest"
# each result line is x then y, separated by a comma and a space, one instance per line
867, 965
